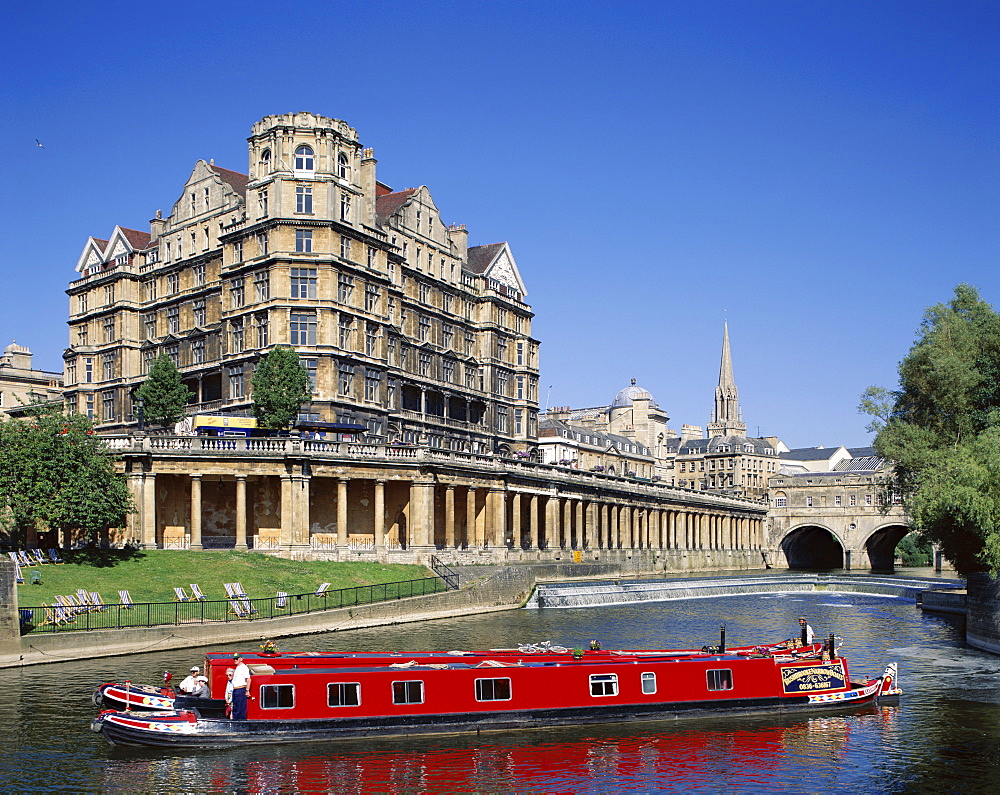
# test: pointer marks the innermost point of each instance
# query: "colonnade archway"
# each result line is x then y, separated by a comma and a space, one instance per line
881, 546
812, 547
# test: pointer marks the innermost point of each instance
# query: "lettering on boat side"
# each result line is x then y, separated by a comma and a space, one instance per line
806, 679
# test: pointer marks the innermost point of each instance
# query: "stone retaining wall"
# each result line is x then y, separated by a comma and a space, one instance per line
982, 626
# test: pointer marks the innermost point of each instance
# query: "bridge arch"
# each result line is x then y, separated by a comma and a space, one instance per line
813, 546
881, 545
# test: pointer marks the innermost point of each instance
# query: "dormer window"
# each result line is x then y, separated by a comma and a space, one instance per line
304, 159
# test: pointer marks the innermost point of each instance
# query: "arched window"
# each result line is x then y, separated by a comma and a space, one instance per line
265, 162
304, 159
342, 167
780, 499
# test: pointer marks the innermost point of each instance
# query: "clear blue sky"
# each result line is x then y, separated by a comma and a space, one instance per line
817, 172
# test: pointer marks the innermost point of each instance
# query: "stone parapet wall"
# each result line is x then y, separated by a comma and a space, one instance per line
982, 627
10, 630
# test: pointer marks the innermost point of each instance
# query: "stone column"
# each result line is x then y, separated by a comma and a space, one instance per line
533, 521
10, 623
380, 537
342, 512
149, 511
471, 534
515, 520
422, 515
580, 532
287, 519
566, 530
449, 516
241, 513
499, 517
196, 512
604, 533
551, 522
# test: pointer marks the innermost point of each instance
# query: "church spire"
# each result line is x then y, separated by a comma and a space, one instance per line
727, 419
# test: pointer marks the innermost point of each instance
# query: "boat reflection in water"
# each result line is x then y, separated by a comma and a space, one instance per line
751, 754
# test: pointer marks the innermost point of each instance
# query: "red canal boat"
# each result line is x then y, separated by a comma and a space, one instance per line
295, 697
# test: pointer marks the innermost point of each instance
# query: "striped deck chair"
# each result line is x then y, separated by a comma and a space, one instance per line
238, 590
54, 557
83, 596
69, 605
38, 555
323, 588
239, 608
96, 601
18, 577
25, 560
196, 593
125, 598
281, 601
180, 595
56, 614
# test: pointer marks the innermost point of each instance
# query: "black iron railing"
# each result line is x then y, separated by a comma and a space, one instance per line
56, 618
445, 572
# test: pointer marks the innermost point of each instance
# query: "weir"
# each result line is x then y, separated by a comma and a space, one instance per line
618, 592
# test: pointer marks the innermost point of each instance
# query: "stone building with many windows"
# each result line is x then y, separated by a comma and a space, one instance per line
21, 385
402, 326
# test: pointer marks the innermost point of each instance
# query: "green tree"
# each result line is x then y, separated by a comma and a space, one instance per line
56, 474
280, 386
164, 397
942, 429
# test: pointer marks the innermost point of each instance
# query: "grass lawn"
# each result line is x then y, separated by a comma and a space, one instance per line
150, 575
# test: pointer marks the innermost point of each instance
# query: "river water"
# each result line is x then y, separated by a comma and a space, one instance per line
944, 736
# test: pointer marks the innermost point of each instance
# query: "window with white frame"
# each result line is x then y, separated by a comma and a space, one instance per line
371, 297
371, 339
262, 286
199, 312
311, 365
302, 328
236, 382
108, 404
493, 689
424, 364
343, 694
719, 679
173, 320
108, 366
304, 159
345, 288
109, 329
342, 166
411, 692
346, 379
648, 683
345, 207
173, 283
345, 326
304, 241
372, 379
303, 199
277, 696
198, 351
262, 330
236, 335
303, 282
604, 684
198, 272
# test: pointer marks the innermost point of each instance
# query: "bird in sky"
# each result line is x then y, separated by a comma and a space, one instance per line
38, 143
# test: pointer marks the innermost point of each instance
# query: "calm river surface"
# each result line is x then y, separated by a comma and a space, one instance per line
944, 736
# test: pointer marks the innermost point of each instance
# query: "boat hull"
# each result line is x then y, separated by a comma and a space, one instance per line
186, 729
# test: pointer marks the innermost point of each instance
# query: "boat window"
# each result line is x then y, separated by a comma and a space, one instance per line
648, 683
408, 692
493, 690
604, 684
277, 696
720, 679
343, 694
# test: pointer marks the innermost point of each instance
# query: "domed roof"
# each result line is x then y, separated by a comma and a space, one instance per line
15, 348
630, 393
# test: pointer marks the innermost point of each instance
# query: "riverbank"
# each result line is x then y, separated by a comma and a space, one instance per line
483, 590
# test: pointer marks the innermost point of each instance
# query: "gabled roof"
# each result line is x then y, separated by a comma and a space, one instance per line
388, 203
234, 179
138, 240
481, 257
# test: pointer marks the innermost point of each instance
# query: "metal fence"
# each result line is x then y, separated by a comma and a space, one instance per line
57, 618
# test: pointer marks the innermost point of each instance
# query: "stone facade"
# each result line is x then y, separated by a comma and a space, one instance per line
840, 518
21, 385
403, 326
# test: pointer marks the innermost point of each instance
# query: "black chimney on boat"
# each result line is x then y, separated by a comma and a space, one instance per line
833, 651
805, 639
722, 639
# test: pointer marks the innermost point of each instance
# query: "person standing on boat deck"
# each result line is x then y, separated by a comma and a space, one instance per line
229, 692
190, 682
807, 631
241, 688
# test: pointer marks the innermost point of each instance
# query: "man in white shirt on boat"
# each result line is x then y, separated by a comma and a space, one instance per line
190, 684
241, 688
807, 631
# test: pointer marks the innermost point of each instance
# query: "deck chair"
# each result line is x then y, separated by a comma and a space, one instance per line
126, 599
321, 591
38, 556
68, 605
281, 602
180, 595
96, 601
239, 608
14, 558
55, 614
17, 572
238, 590
54, 557
25, 560
83, 595
196, 593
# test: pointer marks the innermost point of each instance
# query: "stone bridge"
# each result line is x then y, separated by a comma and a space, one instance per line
811, 541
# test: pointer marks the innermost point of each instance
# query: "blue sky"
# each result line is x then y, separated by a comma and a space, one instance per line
816, 172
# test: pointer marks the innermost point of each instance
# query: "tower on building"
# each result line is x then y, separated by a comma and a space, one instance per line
727, 419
